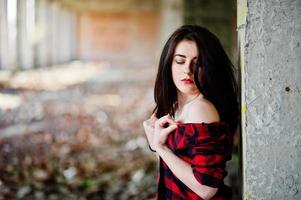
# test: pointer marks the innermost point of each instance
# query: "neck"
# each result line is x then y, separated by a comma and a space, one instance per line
183, 99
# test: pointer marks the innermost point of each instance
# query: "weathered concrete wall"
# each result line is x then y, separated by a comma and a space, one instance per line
271, 94
132, 31
126, 36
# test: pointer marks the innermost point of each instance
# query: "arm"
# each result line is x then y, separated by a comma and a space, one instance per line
183, 171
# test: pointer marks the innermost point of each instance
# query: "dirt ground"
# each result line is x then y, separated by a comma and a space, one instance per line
77, 139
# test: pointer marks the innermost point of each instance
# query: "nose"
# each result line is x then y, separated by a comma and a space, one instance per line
189, 68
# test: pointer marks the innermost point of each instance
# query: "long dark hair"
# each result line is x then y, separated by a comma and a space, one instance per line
215, 80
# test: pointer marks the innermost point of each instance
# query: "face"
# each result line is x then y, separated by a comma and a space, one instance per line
184, 59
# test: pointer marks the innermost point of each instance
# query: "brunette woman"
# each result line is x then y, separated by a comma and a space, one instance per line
196, 114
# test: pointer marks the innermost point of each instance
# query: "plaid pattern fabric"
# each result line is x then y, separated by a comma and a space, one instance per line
206, 147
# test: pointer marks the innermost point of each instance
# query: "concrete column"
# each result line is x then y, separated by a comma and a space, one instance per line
60, 34
171, 18
25, 24
11, 35
64, 31
241, 24
54, 33
269, 34
4, 61
73, 36
42, 52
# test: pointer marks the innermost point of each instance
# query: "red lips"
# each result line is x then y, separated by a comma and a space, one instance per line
187, 81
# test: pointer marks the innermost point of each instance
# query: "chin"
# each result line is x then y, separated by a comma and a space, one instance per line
186, 90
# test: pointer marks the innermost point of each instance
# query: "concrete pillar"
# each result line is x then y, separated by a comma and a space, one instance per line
64, 39
4, 61
42, 51
73, 36
241, 24
10, 34
171, 18
270, 52
25, 24
54, 33
60, 30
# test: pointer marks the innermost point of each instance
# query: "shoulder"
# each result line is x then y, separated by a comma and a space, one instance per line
202, 110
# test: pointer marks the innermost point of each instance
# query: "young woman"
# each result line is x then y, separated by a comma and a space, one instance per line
196, 115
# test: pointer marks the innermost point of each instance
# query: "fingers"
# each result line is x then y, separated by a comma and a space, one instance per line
169, 129
165, 120
163, 127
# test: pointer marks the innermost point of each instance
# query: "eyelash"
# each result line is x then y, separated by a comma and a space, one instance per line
180, 63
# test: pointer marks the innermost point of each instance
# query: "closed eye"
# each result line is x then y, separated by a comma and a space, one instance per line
180, 62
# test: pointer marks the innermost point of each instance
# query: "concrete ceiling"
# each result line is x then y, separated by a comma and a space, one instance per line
110, 5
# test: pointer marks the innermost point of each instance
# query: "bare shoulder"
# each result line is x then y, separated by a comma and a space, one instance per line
202, 110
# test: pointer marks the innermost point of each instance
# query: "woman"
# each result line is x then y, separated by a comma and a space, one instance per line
195, 117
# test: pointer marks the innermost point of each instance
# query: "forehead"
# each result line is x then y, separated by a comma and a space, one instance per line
187, 48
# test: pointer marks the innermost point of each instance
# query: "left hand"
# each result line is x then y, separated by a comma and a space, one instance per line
149, 129
163, 127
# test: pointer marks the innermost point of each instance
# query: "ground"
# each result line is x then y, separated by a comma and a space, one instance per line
80, 138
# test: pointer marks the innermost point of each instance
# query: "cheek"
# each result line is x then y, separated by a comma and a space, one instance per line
173, 73
176, 73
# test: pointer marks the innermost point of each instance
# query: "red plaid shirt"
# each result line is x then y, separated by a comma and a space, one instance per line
206, 147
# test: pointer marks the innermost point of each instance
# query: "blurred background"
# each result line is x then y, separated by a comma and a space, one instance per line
76, 83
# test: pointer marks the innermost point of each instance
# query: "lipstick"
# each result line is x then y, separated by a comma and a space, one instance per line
187, 81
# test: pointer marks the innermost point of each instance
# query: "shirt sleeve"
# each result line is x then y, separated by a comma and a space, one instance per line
210, 150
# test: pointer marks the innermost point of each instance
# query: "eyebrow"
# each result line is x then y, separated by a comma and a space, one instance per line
180, 55
183, 56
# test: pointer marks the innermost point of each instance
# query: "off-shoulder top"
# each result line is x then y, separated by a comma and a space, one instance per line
206, 147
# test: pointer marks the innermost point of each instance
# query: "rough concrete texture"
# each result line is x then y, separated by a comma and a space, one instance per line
272, 68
